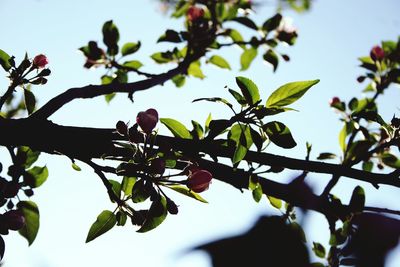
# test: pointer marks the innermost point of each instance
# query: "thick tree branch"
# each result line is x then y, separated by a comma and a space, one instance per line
86, 143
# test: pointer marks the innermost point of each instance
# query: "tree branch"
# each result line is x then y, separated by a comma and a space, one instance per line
91, 91
86, 143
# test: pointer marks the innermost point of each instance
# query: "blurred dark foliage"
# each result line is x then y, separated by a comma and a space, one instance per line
270, 242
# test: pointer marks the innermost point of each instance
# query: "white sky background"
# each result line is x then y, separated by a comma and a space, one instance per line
331, 38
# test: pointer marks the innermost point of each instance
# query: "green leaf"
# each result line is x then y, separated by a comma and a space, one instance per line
214, 99
197, 131
257, 139
271, 57
31, 214
111, 37
236, 37
275, 202
181, 9
253, 181
104, 222
179, 80
272, 23
246, 22
127, 185
239, 154
241, 135
239, 98
133, 64
207, 123
390, 160
105, 79
289, 93
161, 58
187, 192
170, 36
195, 70
367, 166
219, 62
357, 201
36, 176
139, 192
257, 193
76, 167
121, 218
156, 215
28, 155
176, 128
116, 187
249, 89
279, 134
4, 60
247, 57
130, 48
30, 101
342, 137
109, 97
319, 250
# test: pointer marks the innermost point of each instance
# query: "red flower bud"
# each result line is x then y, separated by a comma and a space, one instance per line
377, 53
122, 128
194, 13
11, 189
172, 207
334, 101
199, 181
157, 166
14, 219
40, 61
147, 120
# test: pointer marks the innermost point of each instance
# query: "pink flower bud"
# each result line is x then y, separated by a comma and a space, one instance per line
14, 219
377, 53
147, 120
334, 101
40, 61
199, 181
194, 13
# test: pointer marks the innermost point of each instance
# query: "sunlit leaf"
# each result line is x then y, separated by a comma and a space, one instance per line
247, 57
187, 192
195, 70
257, 193
275, 202
104, 222
36, 176
4, 60
127, 185
249, 89
130, 48
289, 93
176, 128
219, 62
30, 212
